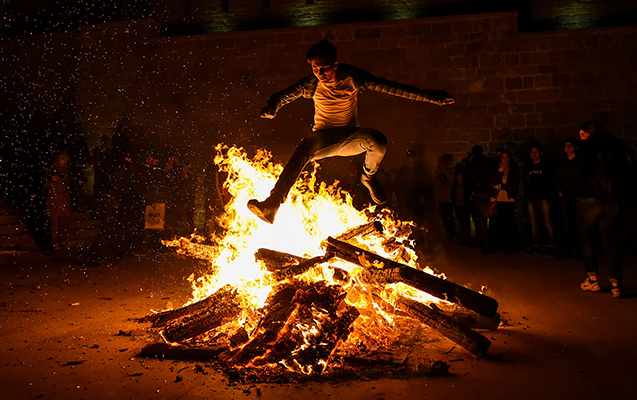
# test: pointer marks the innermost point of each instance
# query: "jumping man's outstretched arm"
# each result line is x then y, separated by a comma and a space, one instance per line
368, 81
304, 88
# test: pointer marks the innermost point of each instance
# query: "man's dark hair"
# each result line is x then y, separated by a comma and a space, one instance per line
571, 140
477, 150
536, 145
592, 127
322, 49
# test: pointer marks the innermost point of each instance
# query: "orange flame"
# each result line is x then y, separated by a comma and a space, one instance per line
311, 213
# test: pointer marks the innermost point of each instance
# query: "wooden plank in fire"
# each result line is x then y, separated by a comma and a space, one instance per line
383, 271
284, 266
319, 323
469, 339
278, 308
361, 230
164, 317
217, 314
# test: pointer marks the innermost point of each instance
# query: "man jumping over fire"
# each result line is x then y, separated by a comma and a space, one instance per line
334, 89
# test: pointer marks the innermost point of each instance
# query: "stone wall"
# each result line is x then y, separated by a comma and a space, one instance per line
190, 92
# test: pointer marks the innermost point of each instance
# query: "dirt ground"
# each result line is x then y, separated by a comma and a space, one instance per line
60, 328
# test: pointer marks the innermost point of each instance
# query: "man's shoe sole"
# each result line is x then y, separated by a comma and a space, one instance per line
253, 205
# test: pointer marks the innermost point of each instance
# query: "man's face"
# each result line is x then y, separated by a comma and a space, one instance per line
569, 148
324, 70
535, 154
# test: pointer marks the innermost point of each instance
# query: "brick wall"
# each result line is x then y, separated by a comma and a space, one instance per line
191, 92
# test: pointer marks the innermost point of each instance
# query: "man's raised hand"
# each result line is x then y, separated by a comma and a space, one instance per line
268, 112
445, 98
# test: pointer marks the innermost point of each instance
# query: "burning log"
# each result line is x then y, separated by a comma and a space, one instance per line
225, 308
318, 324
383, 271
278, 309
273, 259
164, 317
302, 327
284, 266
361, 230
467, 338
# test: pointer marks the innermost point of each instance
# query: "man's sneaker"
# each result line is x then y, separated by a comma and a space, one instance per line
616, 291
266, 210
590, 285
375, 190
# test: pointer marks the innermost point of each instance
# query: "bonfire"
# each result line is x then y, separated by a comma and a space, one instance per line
324, 287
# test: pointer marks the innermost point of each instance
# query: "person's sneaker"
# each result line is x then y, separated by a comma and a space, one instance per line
534, 251
376, 191
616, 291
266, 210
590, 285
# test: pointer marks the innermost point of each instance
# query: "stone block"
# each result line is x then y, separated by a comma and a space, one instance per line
367, 33
533, 120
527, 96
555, 119
561, 80
513, 83
548, 95
484, 121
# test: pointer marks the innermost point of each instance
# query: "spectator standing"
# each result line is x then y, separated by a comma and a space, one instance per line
478, 176
101, 155
502, 226
604, 169
540, 192
569, 186
170, 193
215, 195
156, 197
57, 183
133, 201
460, 201
410, 189
78, 150
108, 242
443, 180
186, 191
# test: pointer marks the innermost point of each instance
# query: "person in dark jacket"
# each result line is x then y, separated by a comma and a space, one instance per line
504, 189
568, 186
540, 194
460, 201
334, 89
603, 179
478, 175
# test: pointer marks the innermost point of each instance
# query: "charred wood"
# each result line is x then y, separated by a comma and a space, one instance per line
275, 260
278, 308
217, 314
472, 320
467, 338
317, 326
382, 271
164, 317
298, 269
186, 353
361, 230
284, 266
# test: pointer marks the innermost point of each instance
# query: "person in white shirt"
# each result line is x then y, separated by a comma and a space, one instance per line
334, 89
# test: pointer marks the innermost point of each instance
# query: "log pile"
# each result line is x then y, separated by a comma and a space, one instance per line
302, 324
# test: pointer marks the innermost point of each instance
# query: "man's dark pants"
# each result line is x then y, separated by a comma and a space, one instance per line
592, 214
